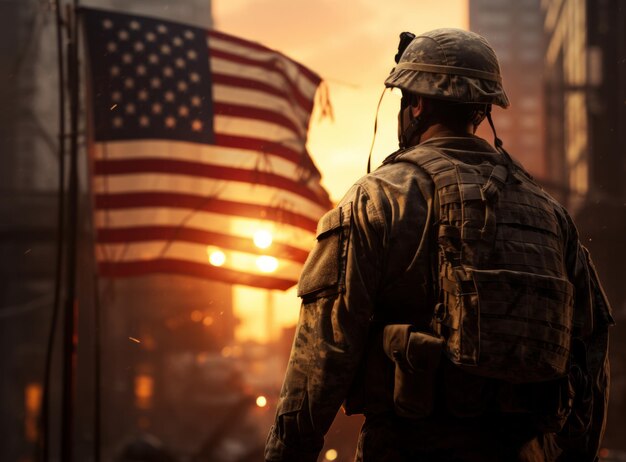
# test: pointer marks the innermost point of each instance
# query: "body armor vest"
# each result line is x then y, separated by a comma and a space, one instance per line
505, 304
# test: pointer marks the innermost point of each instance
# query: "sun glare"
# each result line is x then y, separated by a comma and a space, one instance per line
216, 257
262, 239
267, 264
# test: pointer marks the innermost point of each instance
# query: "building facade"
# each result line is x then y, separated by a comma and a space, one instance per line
585, 87
514, 30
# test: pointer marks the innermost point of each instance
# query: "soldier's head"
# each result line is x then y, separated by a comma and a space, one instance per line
447, 76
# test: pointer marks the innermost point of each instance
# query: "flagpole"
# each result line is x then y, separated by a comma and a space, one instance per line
70, 334
45, 408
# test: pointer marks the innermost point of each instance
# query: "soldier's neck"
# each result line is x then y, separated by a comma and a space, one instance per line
438, 130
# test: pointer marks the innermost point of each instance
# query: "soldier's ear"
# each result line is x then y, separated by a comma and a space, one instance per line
418, 106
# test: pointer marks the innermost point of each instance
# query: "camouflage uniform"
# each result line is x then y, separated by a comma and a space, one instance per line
372, 267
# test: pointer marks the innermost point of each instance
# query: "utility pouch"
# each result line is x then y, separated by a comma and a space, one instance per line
416, 356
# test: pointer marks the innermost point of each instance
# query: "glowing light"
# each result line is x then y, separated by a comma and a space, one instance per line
267, 264
144, 388
196, 316
262, 239
261, 401
331, 454
216, 257
207, 321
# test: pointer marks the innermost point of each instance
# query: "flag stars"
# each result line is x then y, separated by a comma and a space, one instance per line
180, 63
116, 96
170, 122
139, 47
183, 111
127, 58
129, 83
134, 25
177, 41
111, 47
118, 122
194, 77
166, 49
141, 70
144, 121
115, 71
130, 108
196, 101
155, 82
188, 34
196, 125
153, 59
169, 96
142, 95
168, 71
150, 36
123, 34
182, 86
157, 108
107, 24
162, 29
191, 54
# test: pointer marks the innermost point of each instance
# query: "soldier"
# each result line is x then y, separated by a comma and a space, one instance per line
448, 298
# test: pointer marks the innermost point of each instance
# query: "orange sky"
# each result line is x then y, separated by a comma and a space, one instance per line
351, 44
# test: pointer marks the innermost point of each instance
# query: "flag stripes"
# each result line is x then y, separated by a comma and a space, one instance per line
203, 170
199, 236
168, 197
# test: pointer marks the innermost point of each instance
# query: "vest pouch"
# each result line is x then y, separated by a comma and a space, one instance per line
416, 356
520, 328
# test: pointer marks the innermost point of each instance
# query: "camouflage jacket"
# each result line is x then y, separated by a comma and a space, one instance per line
371, 266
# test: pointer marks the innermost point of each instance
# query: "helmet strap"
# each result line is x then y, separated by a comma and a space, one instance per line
369, 158
498, 142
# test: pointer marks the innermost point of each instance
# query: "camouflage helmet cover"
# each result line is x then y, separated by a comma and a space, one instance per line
450, 64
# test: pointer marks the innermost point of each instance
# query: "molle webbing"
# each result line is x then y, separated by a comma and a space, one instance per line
505, 306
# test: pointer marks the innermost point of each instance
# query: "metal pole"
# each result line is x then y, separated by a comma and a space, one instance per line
70, 333
45, 408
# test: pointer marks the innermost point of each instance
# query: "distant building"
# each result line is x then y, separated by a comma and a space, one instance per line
514, 29
585, 87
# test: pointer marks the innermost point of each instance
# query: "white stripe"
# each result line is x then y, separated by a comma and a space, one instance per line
207, 154
198, 253
262, 100
239, 126
228, 190
294, 73
205, 221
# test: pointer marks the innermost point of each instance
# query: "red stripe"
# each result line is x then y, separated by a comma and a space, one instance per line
243, 82
198, 236
312, 76
255, 113
205, 204
303, 100
103, 167
205, 271
269, 147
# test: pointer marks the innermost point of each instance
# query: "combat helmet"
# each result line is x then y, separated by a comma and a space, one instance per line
449, 64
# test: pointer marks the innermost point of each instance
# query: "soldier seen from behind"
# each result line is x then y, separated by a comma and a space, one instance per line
448, 298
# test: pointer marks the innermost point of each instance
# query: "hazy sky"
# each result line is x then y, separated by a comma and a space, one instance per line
351, 44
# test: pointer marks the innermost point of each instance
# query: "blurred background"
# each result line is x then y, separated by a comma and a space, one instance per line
191, 368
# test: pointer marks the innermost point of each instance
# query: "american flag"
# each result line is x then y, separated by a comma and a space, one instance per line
198, 151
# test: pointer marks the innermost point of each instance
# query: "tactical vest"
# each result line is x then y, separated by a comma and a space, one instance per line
505, 303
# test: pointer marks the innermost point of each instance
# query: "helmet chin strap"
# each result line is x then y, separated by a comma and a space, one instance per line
498, 143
